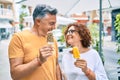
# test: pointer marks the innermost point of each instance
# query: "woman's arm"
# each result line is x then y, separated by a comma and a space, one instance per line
99, 69
90, 74
81, 63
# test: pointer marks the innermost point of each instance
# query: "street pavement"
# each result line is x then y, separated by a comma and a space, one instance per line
109, 53
111, 57
4, 61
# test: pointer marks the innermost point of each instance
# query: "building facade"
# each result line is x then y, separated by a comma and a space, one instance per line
7, 13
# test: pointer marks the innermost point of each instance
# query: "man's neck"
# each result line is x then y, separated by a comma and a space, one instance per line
36, 31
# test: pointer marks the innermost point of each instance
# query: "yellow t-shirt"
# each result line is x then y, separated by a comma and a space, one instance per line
25, 44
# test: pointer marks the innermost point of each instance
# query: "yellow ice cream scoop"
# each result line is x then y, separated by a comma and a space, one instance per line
76, 53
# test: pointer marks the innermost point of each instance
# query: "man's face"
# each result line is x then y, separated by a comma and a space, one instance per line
47, 23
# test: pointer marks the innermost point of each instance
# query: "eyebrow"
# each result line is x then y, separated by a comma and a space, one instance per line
71, 29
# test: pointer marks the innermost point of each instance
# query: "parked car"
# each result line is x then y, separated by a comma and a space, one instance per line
61, 46
4, 33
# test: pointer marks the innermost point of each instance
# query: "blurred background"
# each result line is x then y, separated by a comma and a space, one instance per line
102, 17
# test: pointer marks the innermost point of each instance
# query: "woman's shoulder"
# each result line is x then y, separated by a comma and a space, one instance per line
93, 50
67, 52
94, 53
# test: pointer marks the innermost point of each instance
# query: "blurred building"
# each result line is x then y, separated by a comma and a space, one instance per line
7, 9
7, 13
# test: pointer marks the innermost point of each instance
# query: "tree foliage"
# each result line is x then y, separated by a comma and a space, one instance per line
22, 15
94, 30
117, 27
62, 38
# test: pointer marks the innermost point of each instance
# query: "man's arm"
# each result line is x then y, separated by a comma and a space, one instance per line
20, 70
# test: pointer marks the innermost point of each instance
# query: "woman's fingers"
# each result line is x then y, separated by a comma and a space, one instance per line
81, 63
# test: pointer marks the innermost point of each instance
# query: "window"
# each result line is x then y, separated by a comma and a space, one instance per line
1, 6
9, 6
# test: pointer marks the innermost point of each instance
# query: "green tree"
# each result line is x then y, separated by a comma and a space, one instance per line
62, 38
94, 30
23, 14
117, 27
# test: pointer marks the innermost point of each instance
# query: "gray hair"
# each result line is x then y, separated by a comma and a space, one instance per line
41, 10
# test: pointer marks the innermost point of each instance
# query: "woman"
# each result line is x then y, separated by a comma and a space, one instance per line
89, 66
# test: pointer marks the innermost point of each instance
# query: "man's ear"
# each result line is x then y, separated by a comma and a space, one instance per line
37, 21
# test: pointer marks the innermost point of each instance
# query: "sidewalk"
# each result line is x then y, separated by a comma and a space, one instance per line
4, 61
111, 57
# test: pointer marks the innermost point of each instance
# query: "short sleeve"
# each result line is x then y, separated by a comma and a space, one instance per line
99, 69
15, 47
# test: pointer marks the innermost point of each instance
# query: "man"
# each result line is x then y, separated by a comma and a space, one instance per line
31, 58
14, 28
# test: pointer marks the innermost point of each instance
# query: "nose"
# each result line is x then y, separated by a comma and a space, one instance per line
69, 33
53, 26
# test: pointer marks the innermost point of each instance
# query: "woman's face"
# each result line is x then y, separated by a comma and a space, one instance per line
72, 36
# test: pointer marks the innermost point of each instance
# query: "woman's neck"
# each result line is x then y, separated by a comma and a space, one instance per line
82, 49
